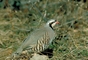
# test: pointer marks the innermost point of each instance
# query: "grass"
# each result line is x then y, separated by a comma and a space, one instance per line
71, 42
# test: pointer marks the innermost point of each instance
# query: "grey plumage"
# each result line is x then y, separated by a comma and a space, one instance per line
39, 40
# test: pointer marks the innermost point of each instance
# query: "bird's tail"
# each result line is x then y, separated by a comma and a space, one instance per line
15, 54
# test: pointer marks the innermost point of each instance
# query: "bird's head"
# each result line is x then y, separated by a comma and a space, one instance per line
51, 23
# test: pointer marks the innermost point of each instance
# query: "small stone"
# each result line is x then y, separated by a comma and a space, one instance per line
39, 57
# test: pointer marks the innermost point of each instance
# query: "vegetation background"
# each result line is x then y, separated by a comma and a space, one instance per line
20, 17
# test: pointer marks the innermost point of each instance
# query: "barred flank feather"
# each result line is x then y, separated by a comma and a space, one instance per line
42, 43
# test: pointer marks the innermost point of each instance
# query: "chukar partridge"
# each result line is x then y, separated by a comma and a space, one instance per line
40, 39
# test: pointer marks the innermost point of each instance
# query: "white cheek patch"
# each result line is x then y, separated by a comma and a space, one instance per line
53, 24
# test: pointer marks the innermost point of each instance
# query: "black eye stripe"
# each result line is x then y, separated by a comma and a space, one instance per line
52, 23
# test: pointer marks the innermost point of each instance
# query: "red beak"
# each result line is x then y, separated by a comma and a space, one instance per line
57, 22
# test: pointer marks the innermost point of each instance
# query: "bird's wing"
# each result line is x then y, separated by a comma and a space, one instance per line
41, 44
33, 38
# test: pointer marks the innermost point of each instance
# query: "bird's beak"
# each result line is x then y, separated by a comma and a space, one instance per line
57, 22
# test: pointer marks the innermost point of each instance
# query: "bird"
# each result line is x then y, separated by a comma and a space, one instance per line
38, 40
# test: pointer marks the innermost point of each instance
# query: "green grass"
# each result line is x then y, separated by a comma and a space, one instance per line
71, 42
